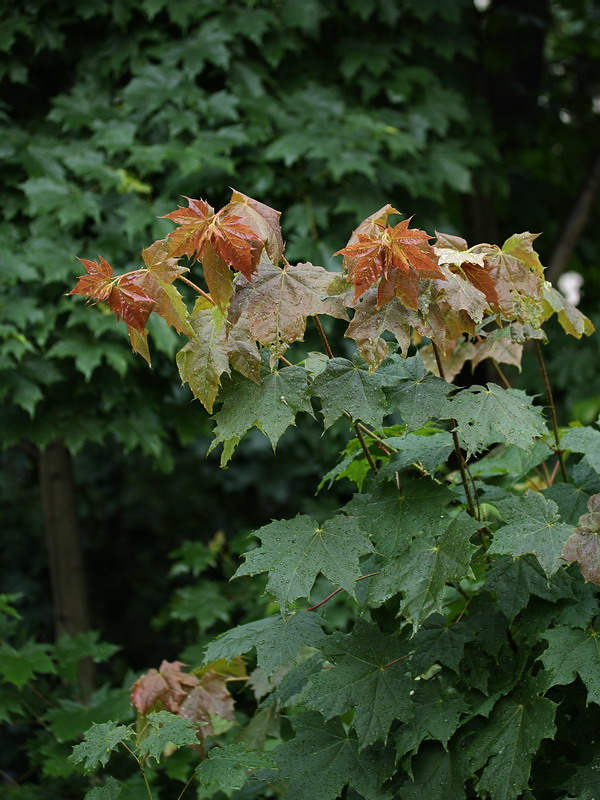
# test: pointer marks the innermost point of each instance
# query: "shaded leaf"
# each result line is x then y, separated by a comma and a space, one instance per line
110, 791
365, 679
295, 551
413, 390
208, 700
437, 774
571, 652
168, 685
19, 666
228, 768
99, 742
349, 386
533, 526
165, 729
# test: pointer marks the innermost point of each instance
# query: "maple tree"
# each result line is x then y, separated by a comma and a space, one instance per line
457, 550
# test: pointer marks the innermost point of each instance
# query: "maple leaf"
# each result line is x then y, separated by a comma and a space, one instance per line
139, 343
370, 321
278, 301
193, 222
99, 742
570, 317
227, 768
458, 352
295, 551
322, 758
261, 219
271, 406
586, 441
364, 678
276, 640
156, 281
202, 362
471, 264
346, 386
489, 415
123, 293
369, 256
210, 698
165, 729
583, 545
167, 685
570, 652
533, 526
235, 243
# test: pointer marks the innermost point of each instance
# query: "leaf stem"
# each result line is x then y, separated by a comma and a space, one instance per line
323, 336
457, 450
189, 780
501, 374
333, 594
552, 407
396, 660
197, 289
366, 450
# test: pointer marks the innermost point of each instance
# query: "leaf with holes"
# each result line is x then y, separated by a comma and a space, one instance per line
295, 551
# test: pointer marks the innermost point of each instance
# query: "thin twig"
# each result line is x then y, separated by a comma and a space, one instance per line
362, 578
366, 450
375, 438
323, 336
457, 450
189, 780
501, 374
285, 361
474, 492
552, 407
396, 660
197, 289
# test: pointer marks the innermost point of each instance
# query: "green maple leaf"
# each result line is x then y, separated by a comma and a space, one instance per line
437, 774
509, 739
413, 390
422, 571
438, 641
19, 666
533, 527
586, 441
485, 416
271, 407
276, 639
278, 301
572, 651
394, 516
203, 360
110, 791
514, 581
437, 715
346, 386
364, 678
228, 768
570, 499
369, 322
323, 758
585, 783
165, 728
295, 551
430, 451
99, 742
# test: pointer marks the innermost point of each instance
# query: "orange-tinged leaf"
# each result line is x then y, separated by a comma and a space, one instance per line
237, 244
193, 223
98, 282
129, 301
364, 262
453, 360
518, 279
373, 224
160, 263
260, 218
168, 685
217, 274
502, 350
403, 285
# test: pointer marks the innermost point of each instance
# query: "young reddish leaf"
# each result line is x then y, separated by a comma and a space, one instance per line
217, 274
99, 281
208, 699
169, 686
373, 224
260, 218
471, 265
193, 222
237, 244
124, 294
404, 286
278, 301
369, 256
456, 293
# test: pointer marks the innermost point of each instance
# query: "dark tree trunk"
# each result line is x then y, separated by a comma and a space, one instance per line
63, 543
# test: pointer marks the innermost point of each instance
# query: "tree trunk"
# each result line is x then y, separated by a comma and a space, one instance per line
63, 543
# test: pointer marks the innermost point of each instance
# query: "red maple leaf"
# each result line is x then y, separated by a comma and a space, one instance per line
123, 293
237, 244
169, 685
193, 222
388, 249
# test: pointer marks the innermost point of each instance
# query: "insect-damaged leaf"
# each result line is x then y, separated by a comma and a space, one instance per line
533, 526
364, 678
322, 758
583, 545
295, 551
271, 406
278, 301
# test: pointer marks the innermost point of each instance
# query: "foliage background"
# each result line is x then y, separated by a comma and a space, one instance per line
482, 122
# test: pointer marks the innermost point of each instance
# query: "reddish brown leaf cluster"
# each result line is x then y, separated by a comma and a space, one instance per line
583, 545
199, 698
